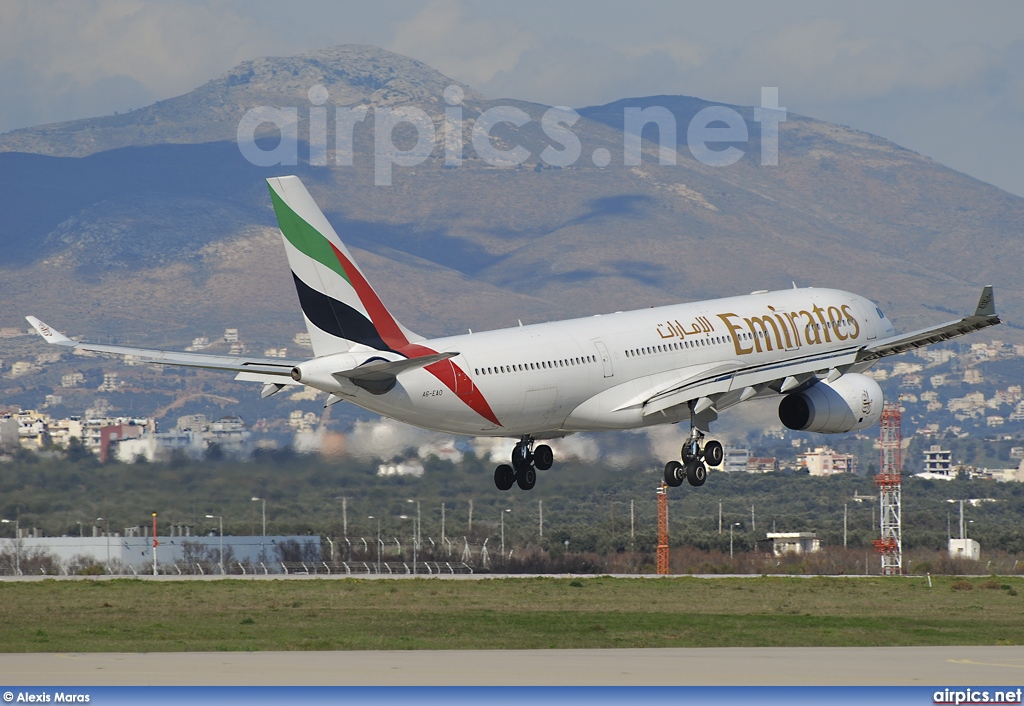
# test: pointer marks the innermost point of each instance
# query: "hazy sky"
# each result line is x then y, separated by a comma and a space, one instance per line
943, 78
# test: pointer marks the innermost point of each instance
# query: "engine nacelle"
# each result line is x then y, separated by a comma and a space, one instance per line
851, 403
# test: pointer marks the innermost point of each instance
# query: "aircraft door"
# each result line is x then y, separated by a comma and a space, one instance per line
606, 359
868, 317
463, 383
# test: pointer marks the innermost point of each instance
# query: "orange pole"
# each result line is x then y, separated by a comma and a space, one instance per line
663, 529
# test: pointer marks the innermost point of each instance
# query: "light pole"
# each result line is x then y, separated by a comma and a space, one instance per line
344, 513
220, 519
264, 501
371, 517
17, 545
412, 541
734, 524
263, 558
503, 536
415, 533
106, 533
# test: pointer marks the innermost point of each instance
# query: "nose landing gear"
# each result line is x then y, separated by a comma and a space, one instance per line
526, 461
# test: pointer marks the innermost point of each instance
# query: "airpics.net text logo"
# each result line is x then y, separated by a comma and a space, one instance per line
712, 134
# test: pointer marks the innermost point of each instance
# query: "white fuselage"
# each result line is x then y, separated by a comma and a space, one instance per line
596, 373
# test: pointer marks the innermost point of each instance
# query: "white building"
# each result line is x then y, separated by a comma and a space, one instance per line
174, 554
964, 549
938, 463
735, 460
23, 367
794, 542
823, 461
406, 468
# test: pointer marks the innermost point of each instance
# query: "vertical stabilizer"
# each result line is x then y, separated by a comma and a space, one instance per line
341, 309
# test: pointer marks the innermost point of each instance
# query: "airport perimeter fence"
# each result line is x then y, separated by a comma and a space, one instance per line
290, 568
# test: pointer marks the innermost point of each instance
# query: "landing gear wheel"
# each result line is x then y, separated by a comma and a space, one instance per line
543, 457
674, 474
526, 478
713, 453
504, 476
696, 473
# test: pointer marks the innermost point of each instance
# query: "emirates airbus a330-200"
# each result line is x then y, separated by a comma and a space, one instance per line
664, 365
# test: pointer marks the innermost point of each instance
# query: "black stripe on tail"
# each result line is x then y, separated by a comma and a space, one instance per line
337, 318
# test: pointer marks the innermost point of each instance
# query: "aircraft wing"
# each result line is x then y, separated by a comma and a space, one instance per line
267, 368
724, 386
983, 317
718, 388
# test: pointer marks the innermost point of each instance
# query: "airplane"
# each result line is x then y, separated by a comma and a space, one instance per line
663, 365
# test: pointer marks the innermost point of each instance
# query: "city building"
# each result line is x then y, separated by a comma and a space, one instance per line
762, 464
735, 460
823, 461
938, 464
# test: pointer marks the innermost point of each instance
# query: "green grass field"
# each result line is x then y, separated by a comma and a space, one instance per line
599, 612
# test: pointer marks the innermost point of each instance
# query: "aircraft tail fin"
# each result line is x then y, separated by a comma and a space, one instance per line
341, 309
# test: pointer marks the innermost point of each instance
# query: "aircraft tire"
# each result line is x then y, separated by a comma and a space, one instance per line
543, 457
504, 476
674, 474
696, 473
526, 478
714, 453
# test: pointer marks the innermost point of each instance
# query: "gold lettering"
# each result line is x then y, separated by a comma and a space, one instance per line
817, 310
782, 323
734, 332
796, 331
811, 330
852, 318
834, 318
764, 322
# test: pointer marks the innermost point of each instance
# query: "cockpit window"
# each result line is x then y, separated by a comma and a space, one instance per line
880, 314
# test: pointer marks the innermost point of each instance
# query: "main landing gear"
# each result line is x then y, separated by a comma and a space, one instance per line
526, 461
696, 457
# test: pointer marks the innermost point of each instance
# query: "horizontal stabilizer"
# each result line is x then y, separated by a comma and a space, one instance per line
381, 369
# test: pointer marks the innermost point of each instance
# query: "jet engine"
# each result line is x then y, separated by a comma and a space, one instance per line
851, 403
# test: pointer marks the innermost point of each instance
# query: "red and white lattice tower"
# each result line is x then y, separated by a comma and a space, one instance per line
663, 529
890, 541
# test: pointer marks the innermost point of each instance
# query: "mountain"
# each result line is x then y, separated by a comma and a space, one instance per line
151, 225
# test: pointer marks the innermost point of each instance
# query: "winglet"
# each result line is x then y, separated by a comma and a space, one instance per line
50, 334
987, 303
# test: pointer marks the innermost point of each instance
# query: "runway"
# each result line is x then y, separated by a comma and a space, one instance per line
737, 666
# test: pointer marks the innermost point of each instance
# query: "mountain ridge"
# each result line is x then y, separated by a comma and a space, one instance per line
162, 195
